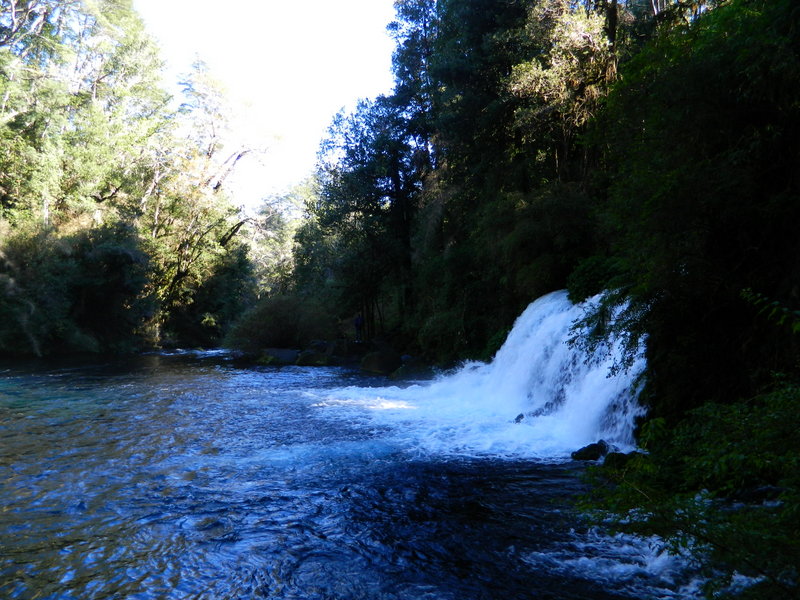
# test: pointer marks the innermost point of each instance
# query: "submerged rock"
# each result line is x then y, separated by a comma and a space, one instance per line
594, 451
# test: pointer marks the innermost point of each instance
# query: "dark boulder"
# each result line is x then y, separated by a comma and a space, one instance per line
278, 357
618, 460
382, 362
594, 451
319, 346
337, 348
413, 368
310, 358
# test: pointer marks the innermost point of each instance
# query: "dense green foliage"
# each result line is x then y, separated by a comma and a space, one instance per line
704, 200
649, 149
724, 485
530, 146
115, 233
283, 321
67, 292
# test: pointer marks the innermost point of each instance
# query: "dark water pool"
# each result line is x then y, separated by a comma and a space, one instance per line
186, 477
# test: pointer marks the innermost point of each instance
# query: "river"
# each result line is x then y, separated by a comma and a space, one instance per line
186, 476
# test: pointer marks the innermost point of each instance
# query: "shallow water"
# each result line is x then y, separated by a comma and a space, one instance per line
184, 476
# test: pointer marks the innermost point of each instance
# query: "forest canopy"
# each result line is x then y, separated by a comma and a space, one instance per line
116, 232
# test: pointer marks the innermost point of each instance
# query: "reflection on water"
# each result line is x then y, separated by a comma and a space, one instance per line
185, 477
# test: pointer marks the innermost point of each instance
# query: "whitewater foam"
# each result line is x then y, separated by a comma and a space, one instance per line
643, 567
566, 399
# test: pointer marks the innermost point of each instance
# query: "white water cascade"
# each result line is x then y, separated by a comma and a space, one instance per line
540, 396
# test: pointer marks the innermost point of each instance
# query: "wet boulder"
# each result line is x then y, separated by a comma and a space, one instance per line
278, 357
312, 358
618, 460
382, 362
594, 451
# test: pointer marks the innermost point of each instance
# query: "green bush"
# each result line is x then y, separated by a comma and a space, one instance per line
723, 484
217, 302
75, 292
282, 322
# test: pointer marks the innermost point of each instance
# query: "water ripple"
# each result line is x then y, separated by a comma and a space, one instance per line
185, 478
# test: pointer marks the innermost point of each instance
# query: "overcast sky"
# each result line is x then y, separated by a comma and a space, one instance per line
288, 67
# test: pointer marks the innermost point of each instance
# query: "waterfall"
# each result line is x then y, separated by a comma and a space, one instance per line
540, 396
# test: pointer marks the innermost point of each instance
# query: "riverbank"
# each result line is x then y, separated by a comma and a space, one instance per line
377, 357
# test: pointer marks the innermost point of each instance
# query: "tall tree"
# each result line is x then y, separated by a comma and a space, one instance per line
95, 162
562, 86
368, 180
80, 98
415, 30
703, 150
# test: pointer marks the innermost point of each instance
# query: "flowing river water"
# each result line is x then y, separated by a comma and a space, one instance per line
185, 476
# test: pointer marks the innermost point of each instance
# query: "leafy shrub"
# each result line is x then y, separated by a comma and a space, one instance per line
217, 302
78, 292
723, 484
281, 322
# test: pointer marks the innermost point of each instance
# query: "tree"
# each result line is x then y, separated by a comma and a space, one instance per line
704, 200
81, 97
95, 160
563, 85
185, 213
272, 235
415, 31
368, 180
83, 291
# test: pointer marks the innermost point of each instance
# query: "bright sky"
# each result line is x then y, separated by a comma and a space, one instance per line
288, 65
